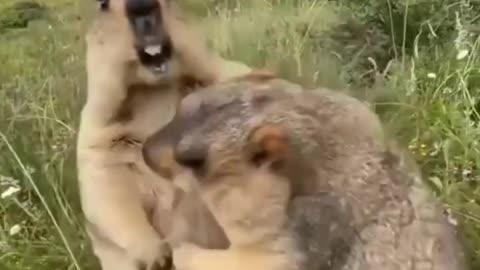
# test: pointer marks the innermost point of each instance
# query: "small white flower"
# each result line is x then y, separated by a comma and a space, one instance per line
30, 170
9, 192
7, 180
432, 75
462, 54
450, 218
447, 90
466, 172
15, 229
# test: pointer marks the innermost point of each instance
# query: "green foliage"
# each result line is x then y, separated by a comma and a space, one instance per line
19, 14
415, 61
395, 29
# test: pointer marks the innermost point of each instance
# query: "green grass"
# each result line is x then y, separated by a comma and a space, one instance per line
427, 97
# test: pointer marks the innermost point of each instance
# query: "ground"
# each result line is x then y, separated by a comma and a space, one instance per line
416, 62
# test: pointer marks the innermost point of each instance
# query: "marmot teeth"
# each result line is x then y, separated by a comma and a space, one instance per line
153, 49
162, 68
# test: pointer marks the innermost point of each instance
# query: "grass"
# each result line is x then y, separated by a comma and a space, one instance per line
417, 64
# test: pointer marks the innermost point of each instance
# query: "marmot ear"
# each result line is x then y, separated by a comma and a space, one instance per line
268, 145
104, 4
160, 160
158, 151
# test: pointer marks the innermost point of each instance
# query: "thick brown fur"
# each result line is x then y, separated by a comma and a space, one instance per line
129, 209
301, 180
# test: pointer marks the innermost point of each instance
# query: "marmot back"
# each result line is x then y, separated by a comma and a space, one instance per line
352, 203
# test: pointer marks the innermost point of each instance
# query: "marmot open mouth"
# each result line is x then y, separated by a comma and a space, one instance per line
156, 56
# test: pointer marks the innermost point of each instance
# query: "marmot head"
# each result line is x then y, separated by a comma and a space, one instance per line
225, 130
141, 29
230, 129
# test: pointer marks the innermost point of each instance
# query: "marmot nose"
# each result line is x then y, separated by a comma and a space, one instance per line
141, 7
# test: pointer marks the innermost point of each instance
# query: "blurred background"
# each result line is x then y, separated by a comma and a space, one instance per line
414, 61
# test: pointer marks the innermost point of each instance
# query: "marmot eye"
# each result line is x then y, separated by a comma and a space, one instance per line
259, 157
193, 158
194, 164
104, 4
